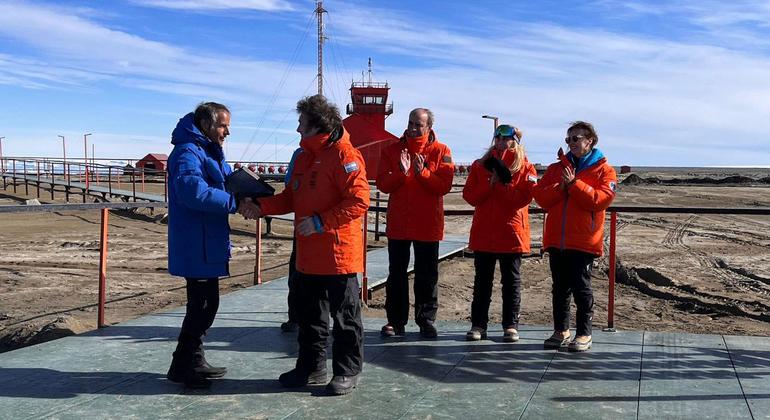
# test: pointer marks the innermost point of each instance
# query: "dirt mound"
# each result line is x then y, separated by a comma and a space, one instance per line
39, 331
634, 179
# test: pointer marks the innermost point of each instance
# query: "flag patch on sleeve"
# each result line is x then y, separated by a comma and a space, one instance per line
612, 185
446, 159
532, 178
350, 167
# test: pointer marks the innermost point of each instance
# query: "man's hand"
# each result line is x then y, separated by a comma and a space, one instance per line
404, 163
249, 209
418, 164
567, 177
306, 226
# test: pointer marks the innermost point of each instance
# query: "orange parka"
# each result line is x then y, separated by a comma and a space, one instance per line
575, 218
328, 181
501, 220
416, 202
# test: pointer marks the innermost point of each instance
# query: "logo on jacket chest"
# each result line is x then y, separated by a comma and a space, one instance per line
311, 182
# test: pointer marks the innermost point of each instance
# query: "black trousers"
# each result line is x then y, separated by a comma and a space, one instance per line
510, 278
571, 273
292, 297
425, 282
202, 306
321, 296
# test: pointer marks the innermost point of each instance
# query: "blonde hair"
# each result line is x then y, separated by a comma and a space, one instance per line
518, 152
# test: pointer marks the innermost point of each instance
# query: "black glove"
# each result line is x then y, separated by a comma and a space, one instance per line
497, 166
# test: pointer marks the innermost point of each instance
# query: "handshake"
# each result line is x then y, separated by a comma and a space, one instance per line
249, 209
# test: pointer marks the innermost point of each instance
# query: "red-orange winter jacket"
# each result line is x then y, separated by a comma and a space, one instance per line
416, 203
328, 181
575, 217
501, 219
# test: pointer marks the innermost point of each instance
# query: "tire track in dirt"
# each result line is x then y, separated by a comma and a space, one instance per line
654, 283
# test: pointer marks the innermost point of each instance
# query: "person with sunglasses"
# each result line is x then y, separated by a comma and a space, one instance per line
499, 186
575, 192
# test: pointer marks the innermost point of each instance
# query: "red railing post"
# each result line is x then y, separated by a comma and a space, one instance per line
611, 273
258, 254
103, 267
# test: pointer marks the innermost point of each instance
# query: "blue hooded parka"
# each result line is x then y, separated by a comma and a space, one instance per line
198, 205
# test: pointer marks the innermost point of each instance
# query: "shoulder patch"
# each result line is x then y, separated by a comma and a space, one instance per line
613, 185
446, 159
350, 167
532, 178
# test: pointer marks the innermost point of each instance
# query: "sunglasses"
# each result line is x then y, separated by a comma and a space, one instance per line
574, 139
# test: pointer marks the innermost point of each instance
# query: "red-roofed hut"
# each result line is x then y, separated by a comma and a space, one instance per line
156, 161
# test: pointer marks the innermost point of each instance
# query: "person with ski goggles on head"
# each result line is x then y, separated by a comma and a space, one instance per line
499, 186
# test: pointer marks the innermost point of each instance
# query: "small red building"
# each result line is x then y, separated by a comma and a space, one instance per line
366, 122
156, 161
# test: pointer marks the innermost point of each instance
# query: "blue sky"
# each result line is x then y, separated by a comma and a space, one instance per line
674, 83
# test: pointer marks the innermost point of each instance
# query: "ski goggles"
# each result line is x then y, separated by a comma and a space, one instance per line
506, 131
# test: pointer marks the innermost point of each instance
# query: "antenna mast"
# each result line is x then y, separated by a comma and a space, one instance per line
319, 11
370, 71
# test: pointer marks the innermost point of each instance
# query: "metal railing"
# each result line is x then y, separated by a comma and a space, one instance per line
613, 218
87, 177
612, 215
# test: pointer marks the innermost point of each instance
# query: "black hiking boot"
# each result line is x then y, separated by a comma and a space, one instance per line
341, 385
296, 378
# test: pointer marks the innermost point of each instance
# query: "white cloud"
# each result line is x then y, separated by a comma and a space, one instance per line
702, 99
691, 99
83, 51
265, 5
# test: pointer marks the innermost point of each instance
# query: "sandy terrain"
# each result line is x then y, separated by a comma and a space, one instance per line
695, 273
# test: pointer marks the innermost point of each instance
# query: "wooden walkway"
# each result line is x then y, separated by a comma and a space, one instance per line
34, 182
118, 372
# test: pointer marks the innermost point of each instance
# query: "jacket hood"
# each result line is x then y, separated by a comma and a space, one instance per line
431, 137
593, 157
187, 132
320, 141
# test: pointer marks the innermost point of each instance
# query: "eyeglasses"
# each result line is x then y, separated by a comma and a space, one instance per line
574, 139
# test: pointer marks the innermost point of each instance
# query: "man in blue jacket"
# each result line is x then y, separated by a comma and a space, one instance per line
199, 232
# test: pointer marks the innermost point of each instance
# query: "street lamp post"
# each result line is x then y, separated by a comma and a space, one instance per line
491, 117
85, 161
64, 157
